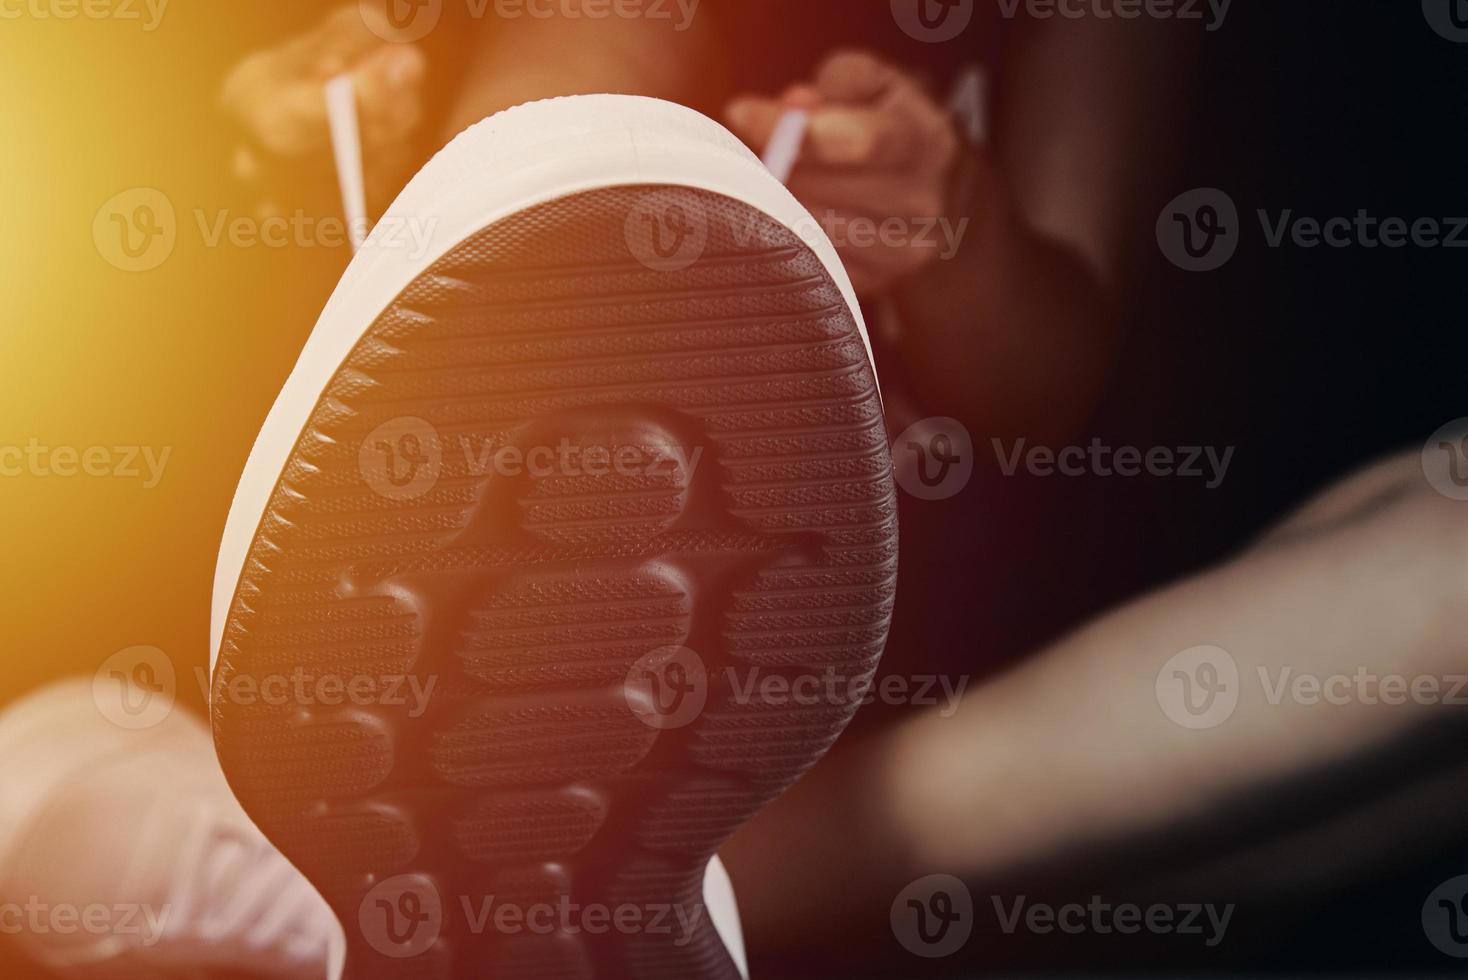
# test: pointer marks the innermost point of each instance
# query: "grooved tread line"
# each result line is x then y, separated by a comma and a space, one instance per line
648, 330
538, 273
628, 299
389, 372
639, 388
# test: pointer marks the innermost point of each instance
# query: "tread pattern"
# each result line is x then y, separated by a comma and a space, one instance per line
527, 605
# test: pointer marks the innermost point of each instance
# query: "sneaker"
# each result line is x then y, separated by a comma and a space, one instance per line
124, 854
582, 466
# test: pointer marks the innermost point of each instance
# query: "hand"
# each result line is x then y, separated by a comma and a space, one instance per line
875, 168
277, 96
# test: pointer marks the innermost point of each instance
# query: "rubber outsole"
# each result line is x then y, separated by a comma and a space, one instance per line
575, 497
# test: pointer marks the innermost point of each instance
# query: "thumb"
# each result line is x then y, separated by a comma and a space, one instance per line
388, 84
845, 136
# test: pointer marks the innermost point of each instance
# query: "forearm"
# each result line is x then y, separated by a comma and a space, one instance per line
1019, 331
1073, 752
1013, 334
1074, 748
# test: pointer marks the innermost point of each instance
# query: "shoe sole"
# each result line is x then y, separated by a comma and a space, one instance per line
578, 491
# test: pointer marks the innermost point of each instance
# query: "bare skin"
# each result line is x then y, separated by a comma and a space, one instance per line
1072, 750
529, 59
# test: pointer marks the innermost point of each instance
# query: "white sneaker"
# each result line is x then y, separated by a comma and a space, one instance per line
587, 439
123, 853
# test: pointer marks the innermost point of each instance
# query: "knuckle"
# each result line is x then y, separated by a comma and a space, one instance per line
850, 64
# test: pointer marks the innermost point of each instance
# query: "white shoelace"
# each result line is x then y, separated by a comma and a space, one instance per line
346, 148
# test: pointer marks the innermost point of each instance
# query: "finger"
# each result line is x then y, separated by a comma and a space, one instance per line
802, 96
846, 136
344, 38
388, 83
275, 93
314, 52
929, 126
389, 92
754, 119
855, 77
860, 79
290, 121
